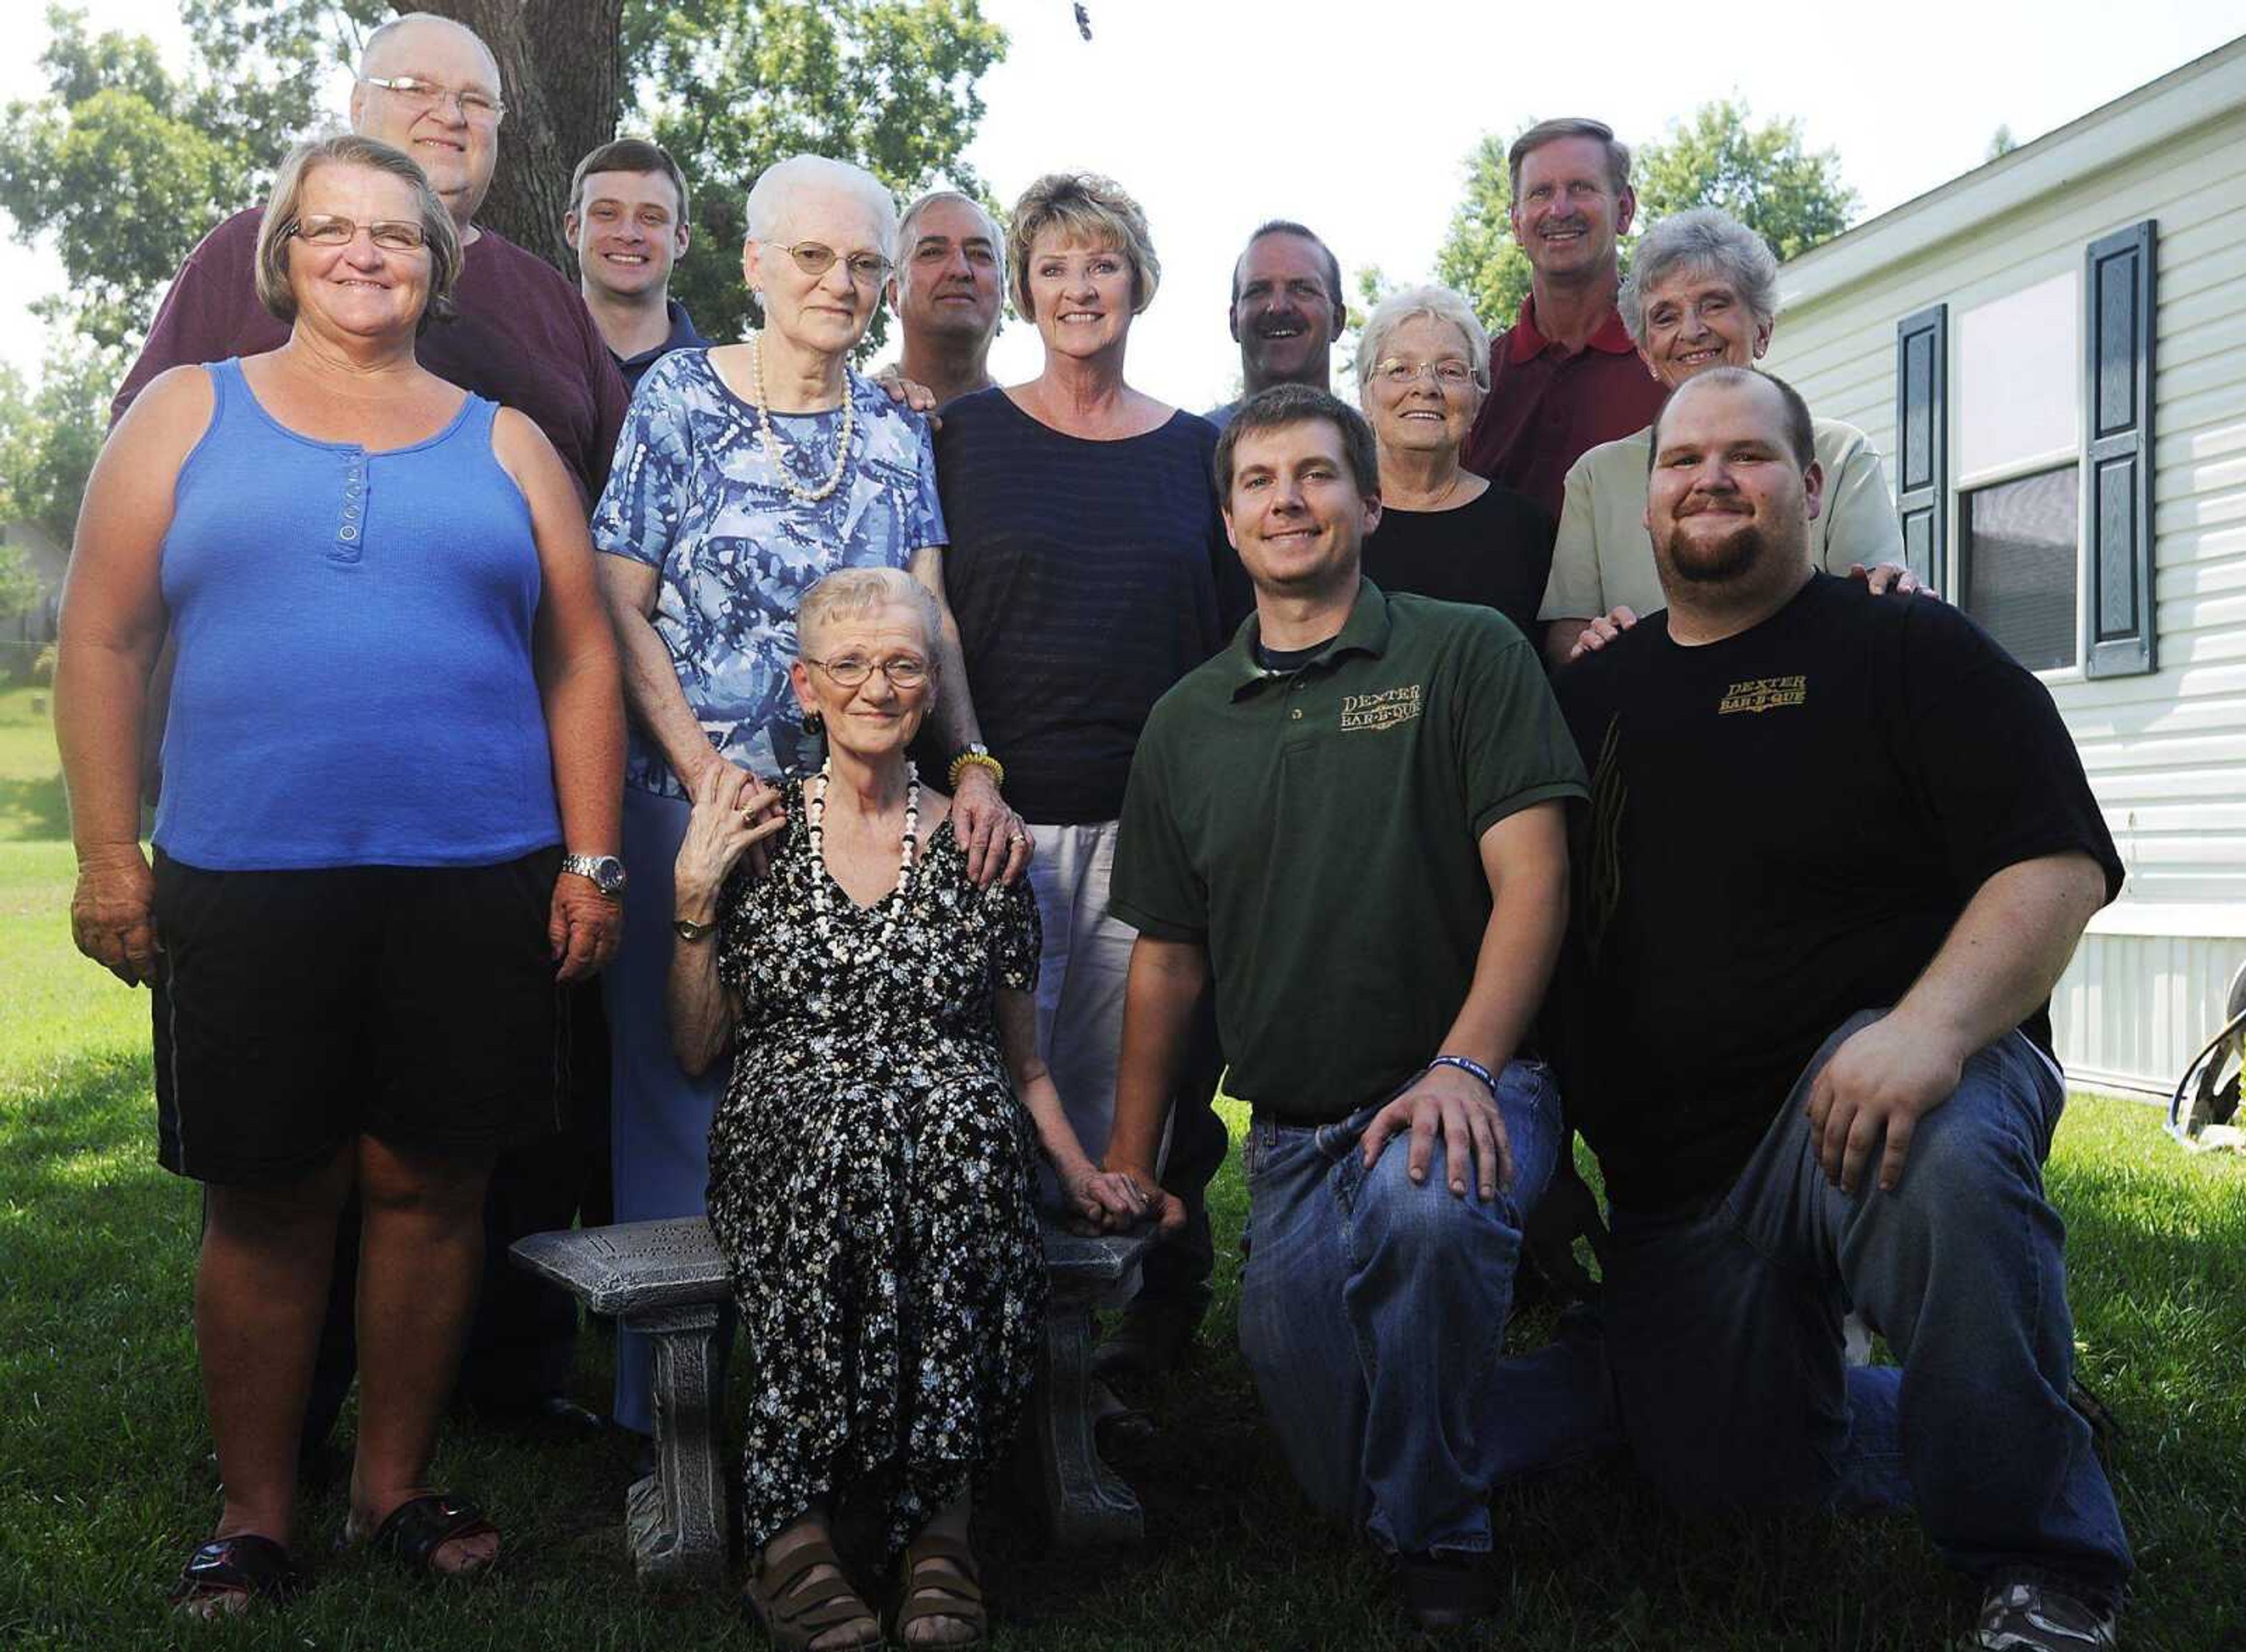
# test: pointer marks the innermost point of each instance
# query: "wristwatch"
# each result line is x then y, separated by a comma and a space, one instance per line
605, 871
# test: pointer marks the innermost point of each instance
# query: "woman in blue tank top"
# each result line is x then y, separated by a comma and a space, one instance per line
388, 828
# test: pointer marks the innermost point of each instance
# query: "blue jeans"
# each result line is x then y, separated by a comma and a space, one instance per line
1719, 1364
1370, 1311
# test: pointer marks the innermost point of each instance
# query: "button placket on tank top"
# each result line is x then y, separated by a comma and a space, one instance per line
350, 522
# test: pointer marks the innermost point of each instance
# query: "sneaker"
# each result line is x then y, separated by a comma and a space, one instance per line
2036, 1614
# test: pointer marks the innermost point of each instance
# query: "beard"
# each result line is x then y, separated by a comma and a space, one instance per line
1717, 561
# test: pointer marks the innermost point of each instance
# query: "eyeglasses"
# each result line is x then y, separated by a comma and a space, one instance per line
815, 259
392, 235
1451, 373
852, 670
423, 96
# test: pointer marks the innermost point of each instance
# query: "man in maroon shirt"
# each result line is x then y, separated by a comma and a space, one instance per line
522, 338
1565, 376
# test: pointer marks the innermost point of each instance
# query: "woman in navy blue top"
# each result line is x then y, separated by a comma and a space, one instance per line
388, 828
1089, 571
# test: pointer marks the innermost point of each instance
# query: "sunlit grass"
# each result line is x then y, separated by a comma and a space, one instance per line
105, 1481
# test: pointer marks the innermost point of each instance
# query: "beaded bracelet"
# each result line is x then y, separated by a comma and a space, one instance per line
966, 760
1467, 1064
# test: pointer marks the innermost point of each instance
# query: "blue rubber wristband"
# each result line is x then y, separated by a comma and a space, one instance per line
1467, 1064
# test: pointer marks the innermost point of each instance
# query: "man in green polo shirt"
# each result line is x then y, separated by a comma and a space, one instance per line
1353, 820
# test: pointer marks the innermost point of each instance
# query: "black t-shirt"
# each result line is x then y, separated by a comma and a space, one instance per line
1783, 828
1087, 577
1495, 550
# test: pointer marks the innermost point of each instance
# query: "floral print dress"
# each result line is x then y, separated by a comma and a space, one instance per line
870, 1183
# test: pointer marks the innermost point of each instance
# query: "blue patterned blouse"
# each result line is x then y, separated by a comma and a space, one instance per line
693, 495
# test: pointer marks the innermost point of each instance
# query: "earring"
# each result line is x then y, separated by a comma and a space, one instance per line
813, 723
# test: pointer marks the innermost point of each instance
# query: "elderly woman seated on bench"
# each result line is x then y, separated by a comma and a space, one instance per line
870, 1173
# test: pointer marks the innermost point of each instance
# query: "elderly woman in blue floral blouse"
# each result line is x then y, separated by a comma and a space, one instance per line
870, 1162
744, 473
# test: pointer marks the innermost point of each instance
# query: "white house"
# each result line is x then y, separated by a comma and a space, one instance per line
2049, 353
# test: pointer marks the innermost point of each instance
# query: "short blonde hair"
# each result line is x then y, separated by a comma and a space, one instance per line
1082, 206
281, 217
1416, 304
853, 593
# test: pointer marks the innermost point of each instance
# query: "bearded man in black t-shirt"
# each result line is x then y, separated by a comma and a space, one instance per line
1839, 849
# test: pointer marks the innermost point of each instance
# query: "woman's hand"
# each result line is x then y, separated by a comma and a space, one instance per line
112, 912
1106, 1200
997, 842
734, 812
583, 927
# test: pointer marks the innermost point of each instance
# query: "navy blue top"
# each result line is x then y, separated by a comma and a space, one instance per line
683, 336
354, 686
1087, 577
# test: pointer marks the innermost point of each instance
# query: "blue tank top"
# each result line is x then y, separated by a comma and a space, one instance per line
353, 684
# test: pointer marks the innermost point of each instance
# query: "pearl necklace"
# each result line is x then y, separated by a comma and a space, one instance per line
822, 911
777, 453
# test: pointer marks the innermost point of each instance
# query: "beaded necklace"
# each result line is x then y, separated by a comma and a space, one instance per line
822, 911
777, 453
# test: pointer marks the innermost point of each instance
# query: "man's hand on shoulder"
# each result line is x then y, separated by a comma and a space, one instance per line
1602, 630
1889, 579
1882, 1079
1452, 1103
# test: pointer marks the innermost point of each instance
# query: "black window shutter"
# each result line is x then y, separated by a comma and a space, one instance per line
1922, 441
2117, 453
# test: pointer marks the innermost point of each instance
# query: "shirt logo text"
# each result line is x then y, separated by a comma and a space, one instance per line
1382, 710
1763, 694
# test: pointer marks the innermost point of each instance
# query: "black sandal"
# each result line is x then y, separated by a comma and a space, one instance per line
256, 1568
420, 1525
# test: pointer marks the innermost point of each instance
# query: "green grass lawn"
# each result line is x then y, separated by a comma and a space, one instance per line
105, 1482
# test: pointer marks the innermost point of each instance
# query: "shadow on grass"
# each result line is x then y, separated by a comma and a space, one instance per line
34, 809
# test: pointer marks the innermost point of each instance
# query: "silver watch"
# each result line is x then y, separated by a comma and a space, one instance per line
605, 871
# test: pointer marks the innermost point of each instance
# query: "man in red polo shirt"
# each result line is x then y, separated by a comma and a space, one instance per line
1565, 376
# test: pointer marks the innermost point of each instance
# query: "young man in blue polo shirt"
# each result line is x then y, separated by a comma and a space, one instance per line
1352, 821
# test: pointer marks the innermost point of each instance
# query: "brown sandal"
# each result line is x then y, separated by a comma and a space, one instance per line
956, 1595
796, 1609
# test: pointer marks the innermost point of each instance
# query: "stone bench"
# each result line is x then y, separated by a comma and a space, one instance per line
667, 1281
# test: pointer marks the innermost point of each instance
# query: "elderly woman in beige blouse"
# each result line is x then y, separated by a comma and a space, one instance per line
1702, 292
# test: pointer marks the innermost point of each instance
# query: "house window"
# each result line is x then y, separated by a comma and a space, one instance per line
2022, 547
2033, 412
2018, 431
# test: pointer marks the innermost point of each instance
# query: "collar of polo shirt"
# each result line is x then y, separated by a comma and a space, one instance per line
1365, 632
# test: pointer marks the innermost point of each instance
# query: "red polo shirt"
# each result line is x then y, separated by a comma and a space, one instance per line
1546, 408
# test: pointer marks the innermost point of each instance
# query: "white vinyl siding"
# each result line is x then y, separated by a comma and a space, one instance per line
2166, 752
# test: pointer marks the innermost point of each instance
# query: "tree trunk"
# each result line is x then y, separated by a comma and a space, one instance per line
560, 72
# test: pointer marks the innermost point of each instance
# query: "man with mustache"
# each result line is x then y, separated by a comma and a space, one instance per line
949, 285
1287, 308
1839, 849
1565, 376
627, 223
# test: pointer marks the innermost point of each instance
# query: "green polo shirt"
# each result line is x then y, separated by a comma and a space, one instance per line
1320, 833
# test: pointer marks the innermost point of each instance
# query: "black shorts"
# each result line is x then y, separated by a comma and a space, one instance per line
296, 1012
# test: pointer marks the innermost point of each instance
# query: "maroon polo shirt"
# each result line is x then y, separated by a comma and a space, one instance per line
1546, 408
522, 338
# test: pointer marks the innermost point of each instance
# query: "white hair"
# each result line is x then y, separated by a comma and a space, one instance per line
855, 593
781, 187
905, 225
1412, 303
